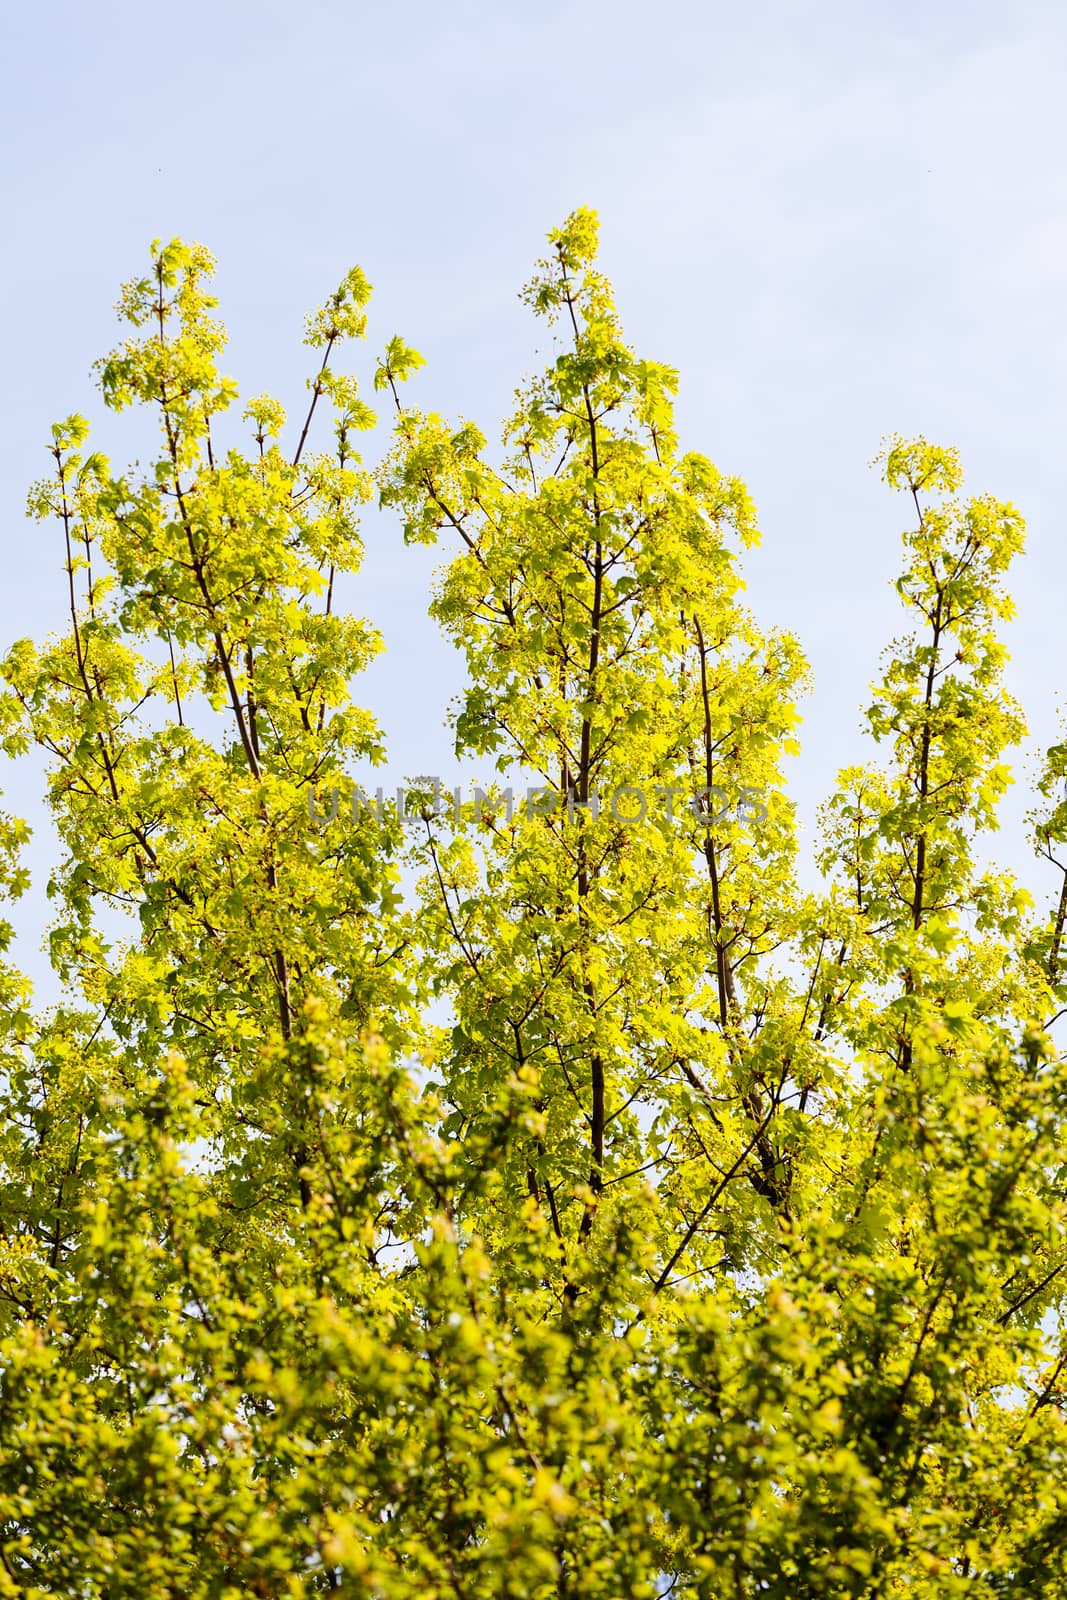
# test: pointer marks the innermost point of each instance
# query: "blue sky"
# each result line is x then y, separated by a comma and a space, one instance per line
838, 221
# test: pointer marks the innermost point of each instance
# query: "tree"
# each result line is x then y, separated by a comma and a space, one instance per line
714, 1246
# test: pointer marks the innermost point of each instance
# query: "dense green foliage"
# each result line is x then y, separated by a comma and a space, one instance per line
715, 1246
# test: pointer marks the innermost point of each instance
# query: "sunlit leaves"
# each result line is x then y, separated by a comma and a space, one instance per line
628, 1221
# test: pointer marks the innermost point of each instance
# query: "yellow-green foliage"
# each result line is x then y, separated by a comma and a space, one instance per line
715, 1246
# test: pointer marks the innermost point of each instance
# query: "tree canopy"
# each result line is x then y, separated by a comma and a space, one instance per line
615, 1218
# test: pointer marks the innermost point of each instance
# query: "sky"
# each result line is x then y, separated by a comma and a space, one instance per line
839, 221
